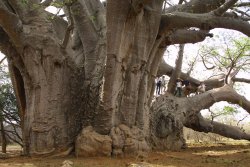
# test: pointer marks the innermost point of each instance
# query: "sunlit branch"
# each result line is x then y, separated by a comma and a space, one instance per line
241, 80
3, 59
242, 4
204, 21
183, 36
204, 125
225, 93
222, 9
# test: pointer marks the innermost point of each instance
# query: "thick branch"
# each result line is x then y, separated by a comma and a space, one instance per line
185, 36
11, 25
204, 21
241, 80
215, 82
177, 71
197, 6
166, 69
207, 99
224, 7
204, 125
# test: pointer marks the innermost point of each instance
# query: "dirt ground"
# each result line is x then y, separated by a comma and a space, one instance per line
196, 155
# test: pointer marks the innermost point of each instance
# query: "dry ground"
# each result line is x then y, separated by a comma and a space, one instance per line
196, 155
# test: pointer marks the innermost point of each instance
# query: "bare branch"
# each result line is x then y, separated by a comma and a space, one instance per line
182, 36
241, 80
204, 21
194, 6
69, 28
225, 93
204, 125
242, 4
242, 119
204, 63
14, 140
244, 15
166, 69
192, 64
222, 9
3, 59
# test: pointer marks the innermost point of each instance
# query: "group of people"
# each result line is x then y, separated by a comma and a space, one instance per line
182, 87
185, 85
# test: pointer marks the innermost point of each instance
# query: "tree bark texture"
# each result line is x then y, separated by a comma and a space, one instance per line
3, 137
98, 87
131, 46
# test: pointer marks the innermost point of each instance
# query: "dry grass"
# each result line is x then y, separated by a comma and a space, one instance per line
196, 155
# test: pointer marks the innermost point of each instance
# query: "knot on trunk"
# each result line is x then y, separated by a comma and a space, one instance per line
166, 124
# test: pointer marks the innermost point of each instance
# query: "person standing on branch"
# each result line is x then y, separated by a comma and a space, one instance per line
163, 84
178, 90
158, 86
201, 88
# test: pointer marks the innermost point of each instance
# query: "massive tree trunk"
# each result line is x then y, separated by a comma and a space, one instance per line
131, 45
66, 97
46, 84
169, 114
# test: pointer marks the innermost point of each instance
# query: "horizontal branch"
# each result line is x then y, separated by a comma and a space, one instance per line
207, 99
166, 69
242, 4
196, 6
208, 21
185, 36
241, 80
204, 125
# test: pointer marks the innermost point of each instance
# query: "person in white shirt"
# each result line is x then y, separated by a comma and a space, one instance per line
201, 88
163, 84
178, 90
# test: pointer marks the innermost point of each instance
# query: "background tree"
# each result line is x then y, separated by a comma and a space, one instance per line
9, 118
85, 79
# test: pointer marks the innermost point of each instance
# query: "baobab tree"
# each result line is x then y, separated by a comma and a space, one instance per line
85, 79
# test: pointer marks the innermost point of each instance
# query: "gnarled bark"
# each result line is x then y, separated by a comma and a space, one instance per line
59, 89
204, 125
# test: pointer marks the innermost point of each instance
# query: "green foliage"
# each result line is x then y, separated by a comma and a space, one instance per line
58, 4
233, 53
25, 2
9, 114
61, 4
229, 110
8, 102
